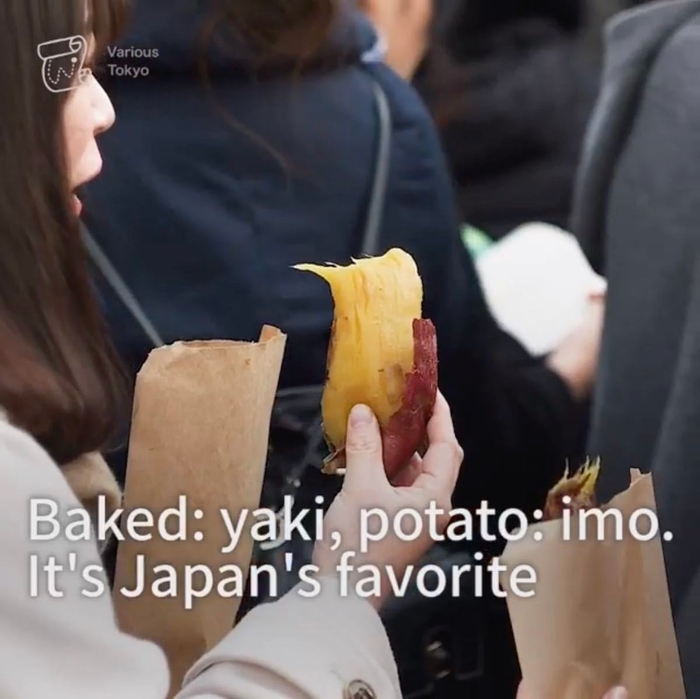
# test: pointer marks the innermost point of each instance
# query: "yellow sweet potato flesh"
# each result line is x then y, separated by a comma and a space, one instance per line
580, 487
372, 345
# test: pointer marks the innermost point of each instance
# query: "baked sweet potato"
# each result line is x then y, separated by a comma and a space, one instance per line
580, 488
382, 353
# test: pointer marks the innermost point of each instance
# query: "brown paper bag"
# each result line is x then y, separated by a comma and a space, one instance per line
600, 616
201, 423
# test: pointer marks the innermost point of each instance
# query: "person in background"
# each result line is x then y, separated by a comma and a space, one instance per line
60, 390
405, 28
511, 87
217, 183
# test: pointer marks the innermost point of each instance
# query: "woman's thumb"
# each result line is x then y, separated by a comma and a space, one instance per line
363, 446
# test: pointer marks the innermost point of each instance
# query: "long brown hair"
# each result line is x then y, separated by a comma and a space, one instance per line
281, 35
58, 376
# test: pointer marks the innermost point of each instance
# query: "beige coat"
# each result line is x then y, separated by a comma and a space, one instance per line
69, 647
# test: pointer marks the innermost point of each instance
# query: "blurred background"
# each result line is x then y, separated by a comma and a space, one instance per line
511, 85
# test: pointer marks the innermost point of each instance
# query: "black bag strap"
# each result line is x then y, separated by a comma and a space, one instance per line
609, 128
120, 288
375, 212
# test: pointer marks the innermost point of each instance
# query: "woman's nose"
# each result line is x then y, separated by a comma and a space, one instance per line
104, 110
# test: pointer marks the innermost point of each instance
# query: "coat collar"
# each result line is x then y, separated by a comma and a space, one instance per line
90, 479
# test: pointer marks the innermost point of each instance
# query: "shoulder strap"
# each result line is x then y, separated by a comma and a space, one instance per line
118, 285
375, 212
608, 131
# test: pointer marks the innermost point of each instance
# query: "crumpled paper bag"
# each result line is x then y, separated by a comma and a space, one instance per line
601, 614
201, 421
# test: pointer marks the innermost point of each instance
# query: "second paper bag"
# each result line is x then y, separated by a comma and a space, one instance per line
600, 615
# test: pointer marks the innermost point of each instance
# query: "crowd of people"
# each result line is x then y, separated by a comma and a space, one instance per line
164, 189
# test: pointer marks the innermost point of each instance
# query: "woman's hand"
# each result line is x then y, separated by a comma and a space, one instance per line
424, 481
615, 693
405, 26
576, 359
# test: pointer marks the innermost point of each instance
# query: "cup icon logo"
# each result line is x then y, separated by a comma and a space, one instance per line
63, 60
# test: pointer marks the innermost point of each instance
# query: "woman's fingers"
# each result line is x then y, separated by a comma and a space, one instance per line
440, 427
407, 477
443, 459
436, 472
364, 466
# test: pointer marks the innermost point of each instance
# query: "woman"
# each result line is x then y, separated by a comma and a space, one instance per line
59, 391
247, 143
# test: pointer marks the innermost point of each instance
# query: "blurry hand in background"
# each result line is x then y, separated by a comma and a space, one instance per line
405, 26
576, 359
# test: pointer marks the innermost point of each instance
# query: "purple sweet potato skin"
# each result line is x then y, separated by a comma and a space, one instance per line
407, 429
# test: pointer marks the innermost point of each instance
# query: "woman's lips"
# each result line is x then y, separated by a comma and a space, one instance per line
79, 183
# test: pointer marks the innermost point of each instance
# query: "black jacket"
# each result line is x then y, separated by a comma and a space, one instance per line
512, 104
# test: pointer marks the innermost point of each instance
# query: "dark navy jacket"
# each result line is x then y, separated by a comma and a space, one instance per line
210, 194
